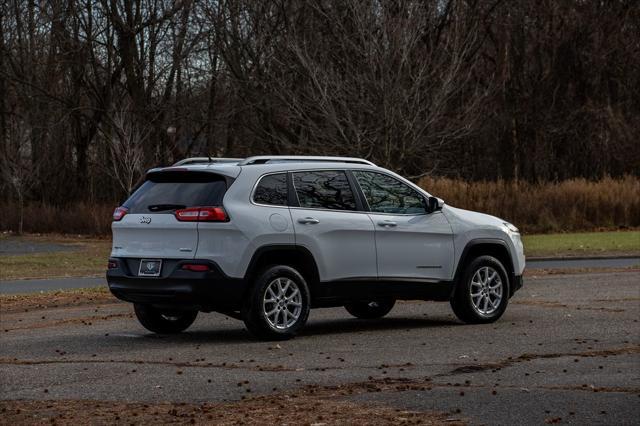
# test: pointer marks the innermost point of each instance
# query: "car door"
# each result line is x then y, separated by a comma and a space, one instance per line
327, 222
411, 243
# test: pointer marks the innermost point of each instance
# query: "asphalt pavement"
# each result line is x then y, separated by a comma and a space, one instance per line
566, 351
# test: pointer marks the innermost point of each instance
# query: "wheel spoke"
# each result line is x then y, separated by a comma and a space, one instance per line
271, 312
494, 303
271, 293
292, 295
286, 287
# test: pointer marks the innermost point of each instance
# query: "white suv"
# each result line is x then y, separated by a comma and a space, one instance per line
266, 238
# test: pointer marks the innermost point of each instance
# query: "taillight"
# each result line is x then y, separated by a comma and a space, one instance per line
202, 214
119, 213
112, 264
195, 267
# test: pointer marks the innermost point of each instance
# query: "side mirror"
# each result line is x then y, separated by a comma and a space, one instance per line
434, 204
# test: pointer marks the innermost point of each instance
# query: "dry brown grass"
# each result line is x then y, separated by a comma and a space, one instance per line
77, 218
572, 205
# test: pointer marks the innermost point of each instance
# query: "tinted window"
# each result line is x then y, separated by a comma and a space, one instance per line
324, 189
168, 192
272, 190
388, 195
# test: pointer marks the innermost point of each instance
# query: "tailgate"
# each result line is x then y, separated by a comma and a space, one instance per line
159, 236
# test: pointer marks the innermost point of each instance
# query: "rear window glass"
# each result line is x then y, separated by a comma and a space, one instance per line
324, 190
164, 193
272, 190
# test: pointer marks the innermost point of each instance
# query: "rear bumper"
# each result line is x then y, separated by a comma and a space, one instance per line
177, 288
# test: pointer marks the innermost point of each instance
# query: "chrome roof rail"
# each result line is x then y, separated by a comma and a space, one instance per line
263, 159
206, 160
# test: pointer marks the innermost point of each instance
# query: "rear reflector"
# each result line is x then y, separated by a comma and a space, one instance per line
202, 214
112, 264
119, 213
195, 267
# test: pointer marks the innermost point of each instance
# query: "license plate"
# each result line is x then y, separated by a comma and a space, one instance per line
150, 268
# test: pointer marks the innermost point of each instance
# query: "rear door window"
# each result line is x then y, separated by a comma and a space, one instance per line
272, 190
324, 189
167, 192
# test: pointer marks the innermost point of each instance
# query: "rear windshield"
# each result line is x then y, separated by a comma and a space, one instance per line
167, 192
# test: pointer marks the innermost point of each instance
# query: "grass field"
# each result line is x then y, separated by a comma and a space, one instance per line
87, 257
583, 244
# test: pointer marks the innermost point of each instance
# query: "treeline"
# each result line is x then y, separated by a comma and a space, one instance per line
93, 92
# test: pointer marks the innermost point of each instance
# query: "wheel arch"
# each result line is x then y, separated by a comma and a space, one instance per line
487, 247
295, 256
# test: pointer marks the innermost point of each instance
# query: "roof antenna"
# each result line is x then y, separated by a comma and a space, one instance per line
209, 157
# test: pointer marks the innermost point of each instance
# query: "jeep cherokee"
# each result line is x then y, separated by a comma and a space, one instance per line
267, 238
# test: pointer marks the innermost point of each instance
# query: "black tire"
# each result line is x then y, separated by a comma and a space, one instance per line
370, 309
164, 321
255, 317
462, 301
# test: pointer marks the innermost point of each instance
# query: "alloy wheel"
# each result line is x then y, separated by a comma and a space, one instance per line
282, 303
486, 290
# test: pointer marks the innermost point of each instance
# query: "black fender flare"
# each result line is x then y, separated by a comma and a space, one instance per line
274, 248
496, 242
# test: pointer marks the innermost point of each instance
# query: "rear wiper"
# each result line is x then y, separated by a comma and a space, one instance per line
161, 207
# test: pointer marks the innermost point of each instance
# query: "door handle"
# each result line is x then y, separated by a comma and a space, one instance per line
387, 223
308, 221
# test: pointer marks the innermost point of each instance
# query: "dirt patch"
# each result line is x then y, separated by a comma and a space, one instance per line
474, 368
592, 388
197, 364
273, 409
88, 321
532, 273
55, 299
545, 303
550, 304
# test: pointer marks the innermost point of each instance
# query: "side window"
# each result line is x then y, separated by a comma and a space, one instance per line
272, 190
324, 190
388, 195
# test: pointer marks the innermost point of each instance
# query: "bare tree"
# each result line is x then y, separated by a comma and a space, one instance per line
520, 90
125, 139
17, 167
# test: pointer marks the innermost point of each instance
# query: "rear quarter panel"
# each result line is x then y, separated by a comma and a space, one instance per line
232, 244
